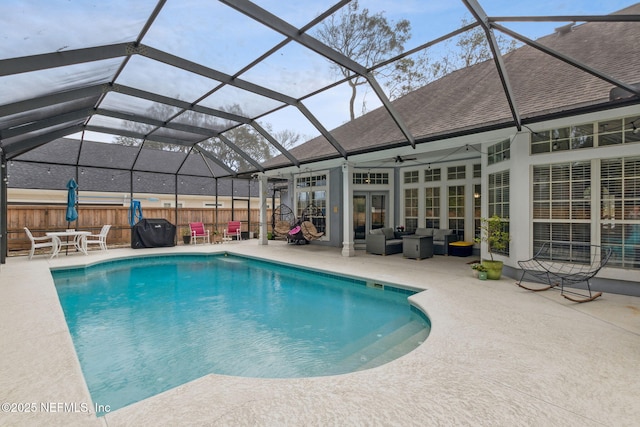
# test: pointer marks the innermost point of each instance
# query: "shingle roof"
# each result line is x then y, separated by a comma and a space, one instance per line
473, 98
106, 168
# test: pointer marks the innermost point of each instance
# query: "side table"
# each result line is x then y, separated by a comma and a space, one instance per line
418, 247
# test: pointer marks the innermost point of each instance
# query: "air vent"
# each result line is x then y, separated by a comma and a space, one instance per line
565, 29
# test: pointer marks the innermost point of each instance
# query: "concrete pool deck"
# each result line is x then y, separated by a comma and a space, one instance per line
497, 355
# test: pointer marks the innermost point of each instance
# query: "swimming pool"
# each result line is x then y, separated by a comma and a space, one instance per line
142, 326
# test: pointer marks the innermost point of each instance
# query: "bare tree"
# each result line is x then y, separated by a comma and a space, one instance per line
365, 38
470, 48
245, 137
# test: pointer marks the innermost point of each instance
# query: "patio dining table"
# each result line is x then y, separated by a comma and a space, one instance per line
79, 240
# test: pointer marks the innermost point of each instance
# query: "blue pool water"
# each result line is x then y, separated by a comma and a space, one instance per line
146, 325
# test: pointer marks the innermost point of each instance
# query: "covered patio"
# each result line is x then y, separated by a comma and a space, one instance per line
496, 355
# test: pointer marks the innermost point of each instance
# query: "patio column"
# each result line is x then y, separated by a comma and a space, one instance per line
4, 178
262, 188
348, 246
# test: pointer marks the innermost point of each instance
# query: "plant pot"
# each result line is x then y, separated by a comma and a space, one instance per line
482, 275
186, 239
494, 269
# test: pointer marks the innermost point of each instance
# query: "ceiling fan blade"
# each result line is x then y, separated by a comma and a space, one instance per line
400, 159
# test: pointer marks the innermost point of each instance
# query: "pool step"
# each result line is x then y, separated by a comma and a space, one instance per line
387, 347
384, 330
404, 347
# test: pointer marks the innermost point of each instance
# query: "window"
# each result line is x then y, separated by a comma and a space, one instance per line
498, 187
411, 177
606, 132
562, 139
620, 210
499, 152
311, 181
456, 209
456, 172
619, 131
561, 204
411, 209
432, 207
432, 175
498, 203
477, 170
170, 204
371, 178
312, 191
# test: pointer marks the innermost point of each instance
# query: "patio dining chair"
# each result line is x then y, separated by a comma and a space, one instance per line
39, 242
232, 230
99, 239
198, 232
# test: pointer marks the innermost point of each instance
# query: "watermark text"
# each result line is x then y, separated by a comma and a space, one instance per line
53, 407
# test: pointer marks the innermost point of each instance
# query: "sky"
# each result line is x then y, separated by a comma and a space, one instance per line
218, 37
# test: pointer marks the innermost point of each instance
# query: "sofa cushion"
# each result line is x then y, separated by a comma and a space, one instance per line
424, 232
388, 233
440, 233
376, 231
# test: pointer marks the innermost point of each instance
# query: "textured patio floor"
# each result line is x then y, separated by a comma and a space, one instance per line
497, 355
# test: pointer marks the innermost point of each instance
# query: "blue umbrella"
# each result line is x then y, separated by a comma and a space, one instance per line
135, 212
72, 213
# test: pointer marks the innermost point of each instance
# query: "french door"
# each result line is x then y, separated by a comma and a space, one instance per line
369, 212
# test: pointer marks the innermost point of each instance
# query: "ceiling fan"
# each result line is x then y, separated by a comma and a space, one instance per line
400, 159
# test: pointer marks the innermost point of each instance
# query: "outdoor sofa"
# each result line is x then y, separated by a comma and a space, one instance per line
384, 241
441, 238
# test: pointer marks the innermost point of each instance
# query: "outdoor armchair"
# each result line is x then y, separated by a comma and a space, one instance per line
198, 232
99, 239
232, 230
39, 242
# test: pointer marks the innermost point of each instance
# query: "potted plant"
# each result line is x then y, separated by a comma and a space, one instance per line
492, 232
479, 270
186, 236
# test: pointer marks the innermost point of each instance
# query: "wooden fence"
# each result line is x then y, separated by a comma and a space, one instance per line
42, 218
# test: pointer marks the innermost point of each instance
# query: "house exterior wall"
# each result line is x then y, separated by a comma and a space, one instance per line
520, 165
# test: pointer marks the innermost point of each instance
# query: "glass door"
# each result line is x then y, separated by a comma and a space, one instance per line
359, 216
369, 212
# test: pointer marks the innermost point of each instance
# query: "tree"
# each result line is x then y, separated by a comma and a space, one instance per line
366, 39
157, 110
470, 48
245, 137
406, 76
